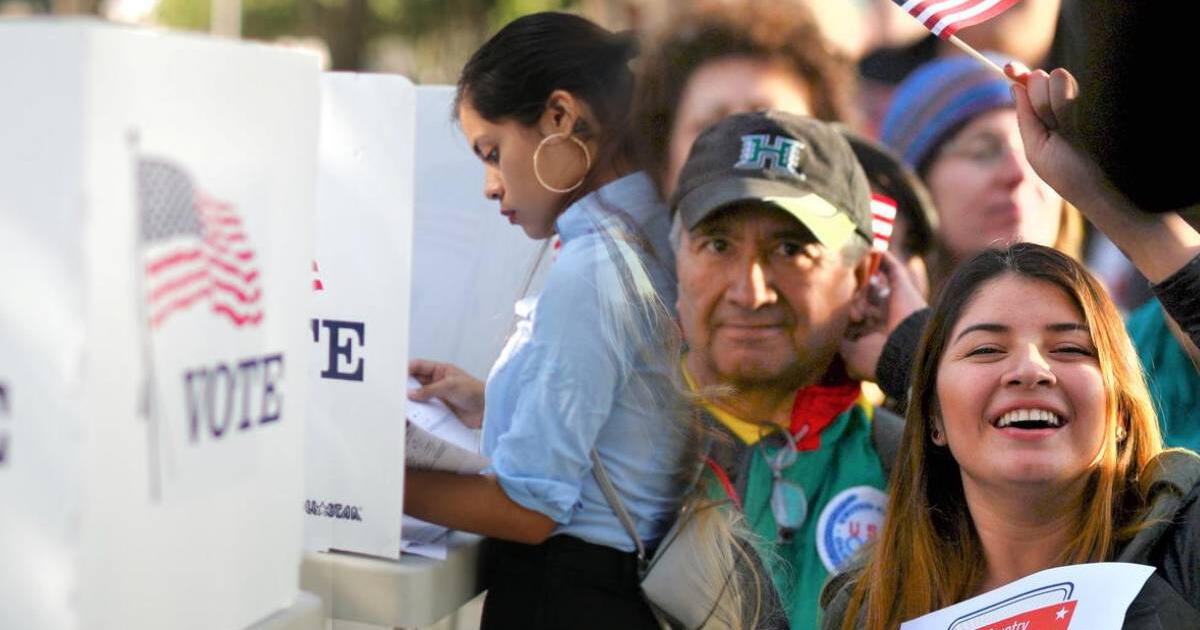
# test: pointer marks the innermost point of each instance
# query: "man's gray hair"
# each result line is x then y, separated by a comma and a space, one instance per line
675, 236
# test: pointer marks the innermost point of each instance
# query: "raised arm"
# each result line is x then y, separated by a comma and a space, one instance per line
1164, 247
1158, 244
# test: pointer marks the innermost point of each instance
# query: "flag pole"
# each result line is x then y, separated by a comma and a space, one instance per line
965, 47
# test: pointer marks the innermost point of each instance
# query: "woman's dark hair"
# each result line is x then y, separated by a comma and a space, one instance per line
769, 30
512, 75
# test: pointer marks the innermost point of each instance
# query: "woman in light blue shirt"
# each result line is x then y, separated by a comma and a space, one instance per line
592, 362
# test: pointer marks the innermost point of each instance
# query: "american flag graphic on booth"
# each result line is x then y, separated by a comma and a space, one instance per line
196, 249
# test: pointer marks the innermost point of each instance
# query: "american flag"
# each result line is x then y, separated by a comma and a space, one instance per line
945, 17
317, 284
196, 250
883, 220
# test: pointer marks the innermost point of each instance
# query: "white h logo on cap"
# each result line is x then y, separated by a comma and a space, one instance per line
781, 152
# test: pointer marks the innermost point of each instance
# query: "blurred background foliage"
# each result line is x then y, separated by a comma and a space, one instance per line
430, 40
426, 39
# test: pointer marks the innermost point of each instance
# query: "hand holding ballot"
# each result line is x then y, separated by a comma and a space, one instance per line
461, 392
437, 440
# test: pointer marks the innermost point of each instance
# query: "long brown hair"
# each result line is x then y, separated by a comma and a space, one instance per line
929, 555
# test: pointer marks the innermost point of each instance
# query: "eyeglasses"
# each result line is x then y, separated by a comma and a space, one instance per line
984, 150
789, 501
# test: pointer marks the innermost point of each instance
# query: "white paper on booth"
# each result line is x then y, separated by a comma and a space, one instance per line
1080, 597
359, 326
437, 550
425, 539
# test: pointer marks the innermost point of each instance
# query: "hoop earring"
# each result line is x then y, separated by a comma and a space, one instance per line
587, 159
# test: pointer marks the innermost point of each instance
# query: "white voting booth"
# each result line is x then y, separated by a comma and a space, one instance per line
380, 212
156, 237
468, 268
355, 448
212, 251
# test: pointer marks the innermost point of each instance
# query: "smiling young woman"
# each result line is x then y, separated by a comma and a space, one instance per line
1031, 442
1070, 470
1020, 395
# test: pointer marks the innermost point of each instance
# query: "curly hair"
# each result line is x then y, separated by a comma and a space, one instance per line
771, 30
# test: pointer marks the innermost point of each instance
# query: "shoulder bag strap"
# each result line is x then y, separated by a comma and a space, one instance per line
618, 508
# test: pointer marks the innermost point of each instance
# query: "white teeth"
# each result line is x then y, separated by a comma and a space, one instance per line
1020, 415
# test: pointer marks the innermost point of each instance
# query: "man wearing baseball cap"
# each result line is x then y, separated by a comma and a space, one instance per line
772, 233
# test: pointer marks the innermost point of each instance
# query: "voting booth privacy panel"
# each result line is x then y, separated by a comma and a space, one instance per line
411, 261
469, 264
355, 448
156, 236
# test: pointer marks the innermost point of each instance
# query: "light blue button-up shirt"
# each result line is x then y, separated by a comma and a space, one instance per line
574, 376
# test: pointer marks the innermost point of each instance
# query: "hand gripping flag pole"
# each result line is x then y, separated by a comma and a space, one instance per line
944, 17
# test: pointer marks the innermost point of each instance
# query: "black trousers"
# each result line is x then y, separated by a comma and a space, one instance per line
563, 583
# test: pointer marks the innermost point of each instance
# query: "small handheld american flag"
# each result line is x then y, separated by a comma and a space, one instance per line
883, 220
945, 17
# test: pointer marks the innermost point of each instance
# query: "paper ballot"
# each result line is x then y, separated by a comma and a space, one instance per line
1078, 597
424, 539
437, 440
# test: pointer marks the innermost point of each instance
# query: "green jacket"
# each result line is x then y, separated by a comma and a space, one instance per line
1173, 380
843, 480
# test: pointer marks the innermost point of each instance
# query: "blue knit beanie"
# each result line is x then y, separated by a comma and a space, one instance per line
936, 99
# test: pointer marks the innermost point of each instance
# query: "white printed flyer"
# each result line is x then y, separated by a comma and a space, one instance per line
1077, 597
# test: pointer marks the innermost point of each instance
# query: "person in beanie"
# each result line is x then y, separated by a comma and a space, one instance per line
1173, 375
953, 121
772, 231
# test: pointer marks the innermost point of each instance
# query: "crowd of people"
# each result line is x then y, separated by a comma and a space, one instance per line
701, 343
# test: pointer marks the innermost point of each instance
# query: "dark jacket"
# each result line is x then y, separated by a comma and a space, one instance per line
1169, 541
1171, 544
